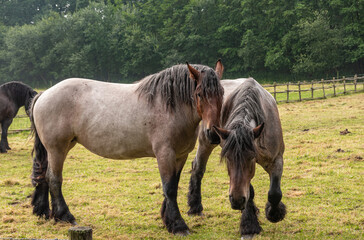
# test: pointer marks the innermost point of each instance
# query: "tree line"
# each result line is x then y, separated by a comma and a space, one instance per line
45, 41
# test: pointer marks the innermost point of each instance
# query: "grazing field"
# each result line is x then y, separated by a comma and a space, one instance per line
322, 185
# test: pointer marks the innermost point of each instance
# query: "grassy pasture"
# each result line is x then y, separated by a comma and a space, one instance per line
322, 185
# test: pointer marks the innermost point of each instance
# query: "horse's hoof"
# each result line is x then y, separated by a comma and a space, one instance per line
183, 233
196, 210
275, 213
247, 236
66, 217
74, 223
195, 214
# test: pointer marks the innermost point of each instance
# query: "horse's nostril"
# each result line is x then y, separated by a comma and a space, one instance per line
237, 204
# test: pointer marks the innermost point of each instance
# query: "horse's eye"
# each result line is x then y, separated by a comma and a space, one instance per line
199, 95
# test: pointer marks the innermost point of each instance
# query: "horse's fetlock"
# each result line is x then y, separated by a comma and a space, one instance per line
275, 213
274, 196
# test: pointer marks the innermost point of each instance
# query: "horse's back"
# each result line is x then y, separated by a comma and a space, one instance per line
95, 114
230, 85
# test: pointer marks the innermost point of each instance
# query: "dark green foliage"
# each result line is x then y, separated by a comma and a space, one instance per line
45, 41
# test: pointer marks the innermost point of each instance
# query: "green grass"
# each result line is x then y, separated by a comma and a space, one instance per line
322, 185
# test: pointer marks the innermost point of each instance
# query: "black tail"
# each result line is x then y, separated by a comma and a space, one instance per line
40, 198
40, 160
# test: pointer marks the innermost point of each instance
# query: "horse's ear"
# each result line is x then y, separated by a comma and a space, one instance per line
258, 130
219, 68
194, 74
223, 133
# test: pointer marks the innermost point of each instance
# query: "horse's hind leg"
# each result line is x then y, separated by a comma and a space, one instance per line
249, 224
275, 210
60, 211
40, 200
4, 145
198, 169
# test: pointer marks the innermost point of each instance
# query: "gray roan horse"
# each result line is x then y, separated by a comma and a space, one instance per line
13, 95
155, 117
251, 133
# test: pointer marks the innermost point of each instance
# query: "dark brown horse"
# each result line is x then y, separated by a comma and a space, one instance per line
251, 133
155, 117
13, 95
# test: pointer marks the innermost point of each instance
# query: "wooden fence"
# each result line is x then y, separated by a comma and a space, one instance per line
293, 92
287, 92
20, 123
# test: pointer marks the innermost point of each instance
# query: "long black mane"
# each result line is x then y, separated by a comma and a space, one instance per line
18, 92
239, 110
175, 87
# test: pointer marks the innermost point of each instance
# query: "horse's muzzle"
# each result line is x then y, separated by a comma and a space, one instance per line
237, 204
212, 136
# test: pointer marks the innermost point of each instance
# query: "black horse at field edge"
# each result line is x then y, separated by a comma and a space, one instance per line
13, 95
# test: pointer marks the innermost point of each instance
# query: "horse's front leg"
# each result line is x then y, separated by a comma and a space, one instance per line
249, 224
4, 145
275, 210
170, 170
198, 169
60, 211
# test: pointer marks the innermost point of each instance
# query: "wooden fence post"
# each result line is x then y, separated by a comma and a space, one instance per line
80, 233
344, 81
312, 89
355, 80
275, 94
288, 92
299, 91
323, 87
333, 83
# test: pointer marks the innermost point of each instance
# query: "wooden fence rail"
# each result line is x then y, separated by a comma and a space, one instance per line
293, 92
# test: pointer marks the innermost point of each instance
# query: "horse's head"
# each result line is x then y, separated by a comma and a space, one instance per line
239, 151
208, 97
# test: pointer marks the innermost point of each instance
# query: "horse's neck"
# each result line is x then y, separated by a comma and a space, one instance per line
191, 116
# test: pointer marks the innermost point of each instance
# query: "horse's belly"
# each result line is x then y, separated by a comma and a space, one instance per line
120, 152
110, 140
